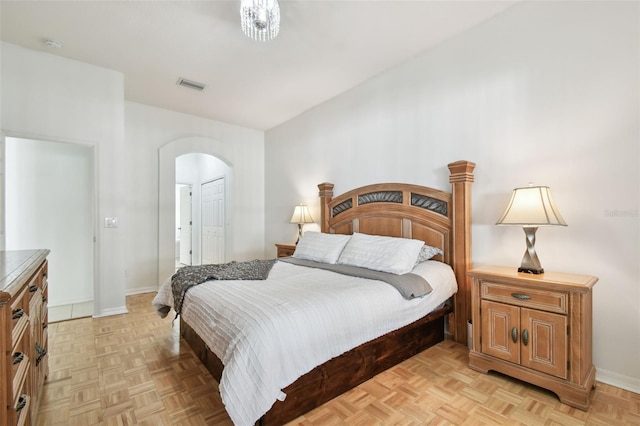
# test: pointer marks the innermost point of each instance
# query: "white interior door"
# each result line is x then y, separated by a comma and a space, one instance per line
185, 225
212, 201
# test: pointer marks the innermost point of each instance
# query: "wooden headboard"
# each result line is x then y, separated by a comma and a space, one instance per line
440, 219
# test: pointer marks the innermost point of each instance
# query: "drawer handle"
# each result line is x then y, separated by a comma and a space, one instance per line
525, 337
41, 353
44, 299
17, 358
22, 402
514, 334
521, 296
17, 314
33, 289
45, 325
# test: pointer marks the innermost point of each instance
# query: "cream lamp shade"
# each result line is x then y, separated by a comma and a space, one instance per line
301, 216
531, 207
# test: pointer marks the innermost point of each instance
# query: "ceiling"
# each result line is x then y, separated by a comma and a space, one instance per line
324, 48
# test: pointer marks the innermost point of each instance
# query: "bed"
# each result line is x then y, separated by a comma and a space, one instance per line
436, 218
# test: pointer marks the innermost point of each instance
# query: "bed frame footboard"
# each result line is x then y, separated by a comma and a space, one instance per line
339, 374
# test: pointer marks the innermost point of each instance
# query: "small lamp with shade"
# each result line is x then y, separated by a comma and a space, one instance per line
301, 216
531, 207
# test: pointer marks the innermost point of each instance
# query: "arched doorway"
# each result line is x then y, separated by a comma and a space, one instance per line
168, 177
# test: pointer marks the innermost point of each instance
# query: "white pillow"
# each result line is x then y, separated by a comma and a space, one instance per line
387, 254
320, 247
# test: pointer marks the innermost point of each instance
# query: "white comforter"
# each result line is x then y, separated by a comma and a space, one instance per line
268, 333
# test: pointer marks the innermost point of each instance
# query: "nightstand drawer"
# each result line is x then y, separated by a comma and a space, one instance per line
546, 300
285, 250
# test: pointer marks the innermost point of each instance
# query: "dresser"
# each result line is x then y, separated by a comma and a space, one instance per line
23, 340
536, 328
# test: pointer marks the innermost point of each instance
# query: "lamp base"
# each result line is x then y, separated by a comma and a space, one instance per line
530, 263
531, 271
299, 233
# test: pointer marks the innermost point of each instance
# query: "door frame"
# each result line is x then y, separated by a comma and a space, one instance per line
94, 204
190, 186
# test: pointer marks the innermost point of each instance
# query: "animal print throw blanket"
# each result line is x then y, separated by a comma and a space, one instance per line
190, 276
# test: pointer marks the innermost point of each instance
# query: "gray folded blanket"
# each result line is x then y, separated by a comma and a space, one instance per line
190, 276
409, 285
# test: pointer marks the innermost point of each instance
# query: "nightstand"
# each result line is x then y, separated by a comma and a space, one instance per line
536, 328
285, 250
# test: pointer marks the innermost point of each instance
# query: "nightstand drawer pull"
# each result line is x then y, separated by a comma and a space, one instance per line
17, 314
521, 296
525, 337
514, 334
33, 289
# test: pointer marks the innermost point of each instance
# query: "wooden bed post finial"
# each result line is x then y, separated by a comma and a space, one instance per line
326, 194
461, 171
461, 178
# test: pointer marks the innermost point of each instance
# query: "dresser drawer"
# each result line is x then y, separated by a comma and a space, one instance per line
33, 288
23, 409
20, 364
534, 298
19, 316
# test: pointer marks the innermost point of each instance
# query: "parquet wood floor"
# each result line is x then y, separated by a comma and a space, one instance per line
132, 370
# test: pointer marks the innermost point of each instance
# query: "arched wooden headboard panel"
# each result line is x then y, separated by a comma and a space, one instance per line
438, 218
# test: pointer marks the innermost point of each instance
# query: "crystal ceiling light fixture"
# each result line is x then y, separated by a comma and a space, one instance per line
260, 19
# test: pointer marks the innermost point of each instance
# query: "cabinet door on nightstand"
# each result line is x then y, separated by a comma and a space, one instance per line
500, 325
546, 347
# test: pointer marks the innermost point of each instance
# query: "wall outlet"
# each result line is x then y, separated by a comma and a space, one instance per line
110, 222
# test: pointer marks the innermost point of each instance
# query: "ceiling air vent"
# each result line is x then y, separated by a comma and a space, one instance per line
191, 84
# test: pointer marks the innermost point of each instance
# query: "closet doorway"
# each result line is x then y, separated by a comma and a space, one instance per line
49, 203
205, 175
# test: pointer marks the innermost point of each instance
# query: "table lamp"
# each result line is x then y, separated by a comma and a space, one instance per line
531, 207
301, 216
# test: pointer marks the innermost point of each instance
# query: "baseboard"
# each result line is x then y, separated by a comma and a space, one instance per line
140, 290
618, 380
112, 311
69, 302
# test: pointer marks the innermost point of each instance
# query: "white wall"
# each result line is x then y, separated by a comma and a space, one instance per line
52, 98
47, 97
545, 92
50, 204
155, 137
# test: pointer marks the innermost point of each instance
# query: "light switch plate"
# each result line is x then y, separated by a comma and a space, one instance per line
110, 222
